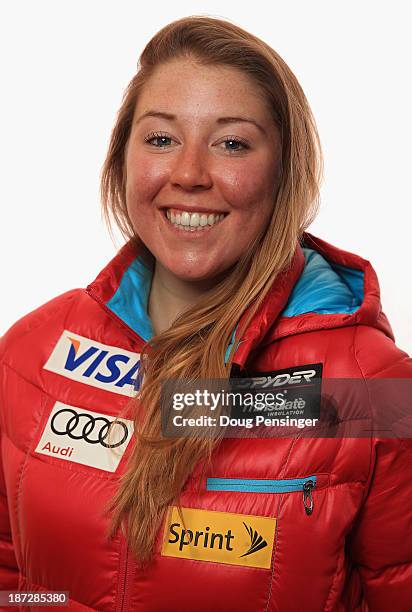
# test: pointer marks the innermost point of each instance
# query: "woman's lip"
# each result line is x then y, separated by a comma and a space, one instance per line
200, 211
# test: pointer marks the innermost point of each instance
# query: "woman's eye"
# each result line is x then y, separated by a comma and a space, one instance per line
161, 138
234, 144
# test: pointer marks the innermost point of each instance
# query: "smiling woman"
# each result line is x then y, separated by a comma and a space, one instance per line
212, 175
183, 174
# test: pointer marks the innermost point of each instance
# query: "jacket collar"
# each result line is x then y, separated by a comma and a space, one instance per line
323, 287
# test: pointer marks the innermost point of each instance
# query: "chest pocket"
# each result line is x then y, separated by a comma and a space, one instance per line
288, 485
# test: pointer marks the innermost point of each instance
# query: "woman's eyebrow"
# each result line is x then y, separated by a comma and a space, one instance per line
220, 120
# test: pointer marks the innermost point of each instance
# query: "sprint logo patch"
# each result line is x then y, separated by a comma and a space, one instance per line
95, 364
222, 537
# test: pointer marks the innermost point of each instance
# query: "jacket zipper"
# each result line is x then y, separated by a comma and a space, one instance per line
249, 485
126, 574
307, 495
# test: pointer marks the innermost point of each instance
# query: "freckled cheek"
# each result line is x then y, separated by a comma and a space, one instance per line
245, 187
144, 181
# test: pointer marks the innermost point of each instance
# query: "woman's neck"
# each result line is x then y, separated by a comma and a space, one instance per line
171, 296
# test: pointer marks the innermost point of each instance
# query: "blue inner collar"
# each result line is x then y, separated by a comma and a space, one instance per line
130, 301
325, 288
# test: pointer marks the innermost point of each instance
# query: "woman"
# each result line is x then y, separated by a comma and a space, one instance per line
212, 175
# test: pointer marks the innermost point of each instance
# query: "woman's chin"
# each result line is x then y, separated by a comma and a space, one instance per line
195, 273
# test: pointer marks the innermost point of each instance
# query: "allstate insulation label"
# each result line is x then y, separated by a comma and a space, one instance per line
93, 363
222, 537
297, 389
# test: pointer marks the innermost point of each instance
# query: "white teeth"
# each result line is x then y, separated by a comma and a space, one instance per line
185, 219
193, 221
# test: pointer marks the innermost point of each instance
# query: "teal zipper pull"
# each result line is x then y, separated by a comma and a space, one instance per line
307, 496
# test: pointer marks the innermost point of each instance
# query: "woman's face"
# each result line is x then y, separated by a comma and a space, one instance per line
203, 154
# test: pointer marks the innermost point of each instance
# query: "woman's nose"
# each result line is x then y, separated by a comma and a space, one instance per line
190, 168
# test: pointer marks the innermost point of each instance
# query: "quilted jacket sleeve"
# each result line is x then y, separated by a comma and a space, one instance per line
10, 342
381, 542
9, 573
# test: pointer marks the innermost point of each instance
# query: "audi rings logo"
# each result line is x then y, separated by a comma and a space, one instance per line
84, 426
83, 436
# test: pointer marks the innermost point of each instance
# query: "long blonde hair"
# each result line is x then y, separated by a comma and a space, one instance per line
194, 346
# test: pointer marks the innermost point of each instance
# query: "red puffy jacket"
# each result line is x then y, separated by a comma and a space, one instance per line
276, 524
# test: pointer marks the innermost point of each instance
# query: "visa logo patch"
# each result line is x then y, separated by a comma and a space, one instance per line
95, 364
222, 537
86, 437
